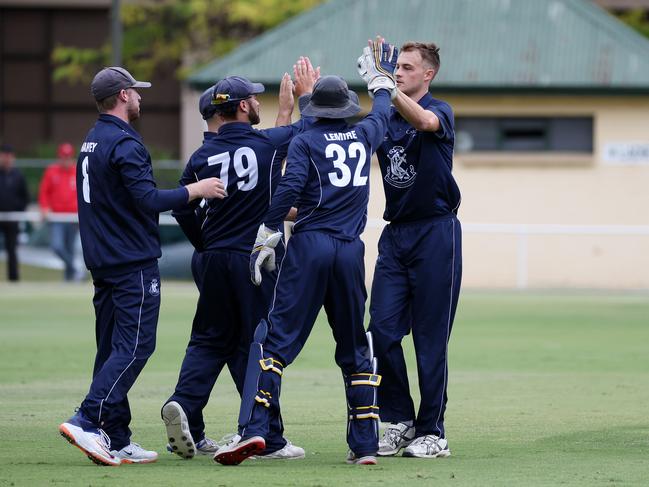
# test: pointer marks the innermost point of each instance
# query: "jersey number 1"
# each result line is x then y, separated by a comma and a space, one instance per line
86, 180
356, 150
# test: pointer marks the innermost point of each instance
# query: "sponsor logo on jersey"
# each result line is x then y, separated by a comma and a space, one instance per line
154, 288
400, 174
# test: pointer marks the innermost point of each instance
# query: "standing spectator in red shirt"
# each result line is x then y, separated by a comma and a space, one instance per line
58, 194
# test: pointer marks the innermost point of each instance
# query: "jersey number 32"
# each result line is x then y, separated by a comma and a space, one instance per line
356, 150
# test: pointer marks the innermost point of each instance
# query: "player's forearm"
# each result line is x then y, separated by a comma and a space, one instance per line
415, 115
381, 101
283, 118
274, 219
159, 200
283, 201
303, 101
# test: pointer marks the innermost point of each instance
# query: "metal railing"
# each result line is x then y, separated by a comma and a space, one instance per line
522, 232
33, 163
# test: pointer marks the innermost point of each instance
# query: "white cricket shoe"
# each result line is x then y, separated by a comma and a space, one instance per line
134, 453
289, 452
94, 442
352, 459
178, 435
395, 437
207, 446
429, 446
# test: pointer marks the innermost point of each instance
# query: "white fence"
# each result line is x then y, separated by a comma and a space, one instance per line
523, 232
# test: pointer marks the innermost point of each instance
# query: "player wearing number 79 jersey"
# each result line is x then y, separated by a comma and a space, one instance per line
249, 163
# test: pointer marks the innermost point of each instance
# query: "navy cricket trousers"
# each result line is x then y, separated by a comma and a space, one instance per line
228, 310
126, 318
415, 289
318, 270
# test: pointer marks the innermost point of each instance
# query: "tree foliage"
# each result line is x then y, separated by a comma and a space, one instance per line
178, 34
637, 19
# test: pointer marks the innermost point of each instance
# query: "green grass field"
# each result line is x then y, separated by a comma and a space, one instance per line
545, 389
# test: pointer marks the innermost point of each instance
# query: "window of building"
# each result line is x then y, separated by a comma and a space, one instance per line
524, 134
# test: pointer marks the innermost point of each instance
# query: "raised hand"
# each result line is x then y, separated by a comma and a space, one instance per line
376, 66
286, 99
305, 76
385, 56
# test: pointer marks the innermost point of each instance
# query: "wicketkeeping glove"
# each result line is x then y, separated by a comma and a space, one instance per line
385, 57
263, 253
376, 66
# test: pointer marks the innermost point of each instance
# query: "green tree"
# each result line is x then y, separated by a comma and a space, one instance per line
637, 19
180, 35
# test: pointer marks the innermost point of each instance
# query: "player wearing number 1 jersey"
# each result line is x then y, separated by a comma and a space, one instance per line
249, 163
327, 176
118, 219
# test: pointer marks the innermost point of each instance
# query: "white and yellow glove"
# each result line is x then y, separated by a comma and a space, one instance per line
263, 253
376, 66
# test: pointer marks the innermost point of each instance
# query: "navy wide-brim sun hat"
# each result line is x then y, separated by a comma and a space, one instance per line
331, 98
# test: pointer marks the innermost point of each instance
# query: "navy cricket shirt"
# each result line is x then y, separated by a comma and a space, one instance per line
416, 167
327, 174
118, 199
249, 162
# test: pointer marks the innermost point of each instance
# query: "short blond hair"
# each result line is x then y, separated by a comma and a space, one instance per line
429, 52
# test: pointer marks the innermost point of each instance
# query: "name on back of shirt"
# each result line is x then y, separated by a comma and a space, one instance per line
351, 135
88, 146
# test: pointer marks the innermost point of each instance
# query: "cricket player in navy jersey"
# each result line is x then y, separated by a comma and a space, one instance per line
118, 218
249, 162
326, 178
419, 266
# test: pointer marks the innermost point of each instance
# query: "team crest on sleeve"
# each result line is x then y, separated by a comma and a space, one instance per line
400, 174
154, 287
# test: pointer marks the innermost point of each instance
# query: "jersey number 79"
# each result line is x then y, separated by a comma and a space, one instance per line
245, 165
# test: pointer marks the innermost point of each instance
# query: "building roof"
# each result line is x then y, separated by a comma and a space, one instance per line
500, 45
623, 4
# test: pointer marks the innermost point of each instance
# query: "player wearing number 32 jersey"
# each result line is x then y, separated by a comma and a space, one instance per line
327, 179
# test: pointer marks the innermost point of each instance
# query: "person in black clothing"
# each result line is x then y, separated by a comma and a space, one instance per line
13, 197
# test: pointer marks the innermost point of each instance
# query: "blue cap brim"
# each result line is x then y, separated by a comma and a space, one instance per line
257, 88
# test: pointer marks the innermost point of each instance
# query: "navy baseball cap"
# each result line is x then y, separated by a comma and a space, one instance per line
331, 98
232, 90
205, 104
112, 80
